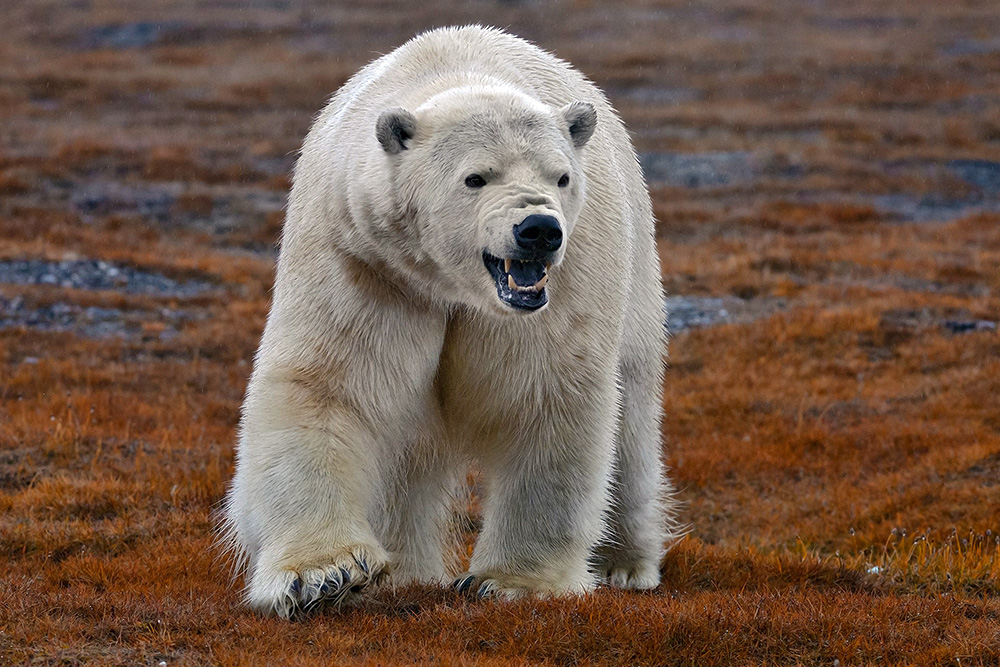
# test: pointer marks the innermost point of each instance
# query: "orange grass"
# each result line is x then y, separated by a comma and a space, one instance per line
837, 451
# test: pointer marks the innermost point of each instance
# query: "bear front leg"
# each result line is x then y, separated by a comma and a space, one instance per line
297, 509
544, 511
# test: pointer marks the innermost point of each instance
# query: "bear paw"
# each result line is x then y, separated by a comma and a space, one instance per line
485, 586
633, 576
291, 593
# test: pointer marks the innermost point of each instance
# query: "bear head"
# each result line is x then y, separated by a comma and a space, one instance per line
491, 179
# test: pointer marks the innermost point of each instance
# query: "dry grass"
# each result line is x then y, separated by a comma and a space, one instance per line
838, 455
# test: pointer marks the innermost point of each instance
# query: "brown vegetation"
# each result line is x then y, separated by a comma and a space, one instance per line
837, 449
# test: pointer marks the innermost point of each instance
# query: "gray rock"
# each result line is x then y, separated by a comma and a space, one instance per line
92, 322
92, 274
690, 312
699, 170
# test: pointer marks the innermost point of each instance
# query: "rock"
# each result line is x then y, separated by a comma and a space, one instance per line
966, 326
98, 275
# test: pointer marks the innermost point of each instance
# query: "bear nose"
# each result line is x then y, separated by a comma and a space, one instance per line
538, 233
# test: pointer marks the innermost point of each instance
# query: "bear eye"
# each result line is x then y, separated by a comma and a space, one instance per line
563, 180
474, 181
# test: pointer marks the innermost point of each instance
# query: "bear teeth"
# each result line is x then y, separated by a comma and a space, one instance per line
537, 287
512, 283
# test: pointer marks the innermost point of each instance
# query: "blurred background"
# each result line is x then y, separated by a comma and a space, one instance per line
826, 180
750, 117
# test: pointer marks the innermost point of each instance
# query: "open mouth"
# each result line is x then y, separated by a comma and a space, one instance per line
520, 284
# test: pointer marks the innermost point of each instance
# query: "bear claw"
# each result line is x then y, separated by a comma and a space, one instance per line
462, 584
486, 588
293, 593
334, 587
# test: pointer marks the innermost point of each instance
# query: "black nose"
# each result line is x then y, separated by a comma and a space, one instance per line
538, 233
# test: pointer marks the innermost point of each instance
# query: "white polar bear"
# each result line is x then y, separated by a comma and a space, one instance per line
467, 273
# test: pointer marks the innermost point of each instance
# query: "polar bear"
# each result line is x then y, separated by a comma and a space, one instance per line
467, 273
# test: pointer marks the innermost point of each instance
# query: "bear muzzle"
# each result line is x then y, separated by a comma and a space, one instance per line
522, 272
520, 283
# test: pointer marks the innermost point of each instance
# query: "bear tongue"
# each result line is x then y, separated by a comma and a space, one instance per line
526, 274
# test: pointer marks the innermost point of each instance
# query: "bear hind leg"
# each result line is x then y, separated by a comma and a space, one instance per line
641, 514
415, 527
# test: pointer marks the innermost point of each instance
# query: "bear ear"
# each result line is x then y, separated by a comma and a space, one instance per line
394, 128
581, 117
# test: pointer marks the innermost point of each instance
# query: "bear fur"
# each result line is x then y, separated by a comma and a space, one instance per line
399, 349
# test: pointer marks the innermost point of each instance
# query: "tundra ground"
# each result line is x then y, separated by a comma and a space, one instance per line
827, 185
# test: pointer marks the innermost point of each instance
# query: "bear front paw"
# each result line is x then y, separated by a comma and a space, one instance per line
294, 592
486, 586
508, 586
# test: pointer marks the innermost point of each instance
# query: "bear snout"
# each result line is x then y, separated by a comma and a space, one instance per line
538, 234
